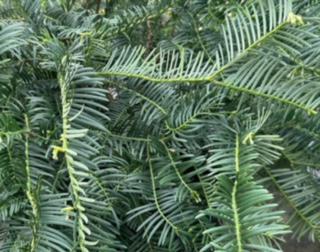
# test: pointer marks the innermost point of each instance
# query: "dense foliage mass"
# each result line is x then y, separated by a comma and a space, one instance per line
159, 125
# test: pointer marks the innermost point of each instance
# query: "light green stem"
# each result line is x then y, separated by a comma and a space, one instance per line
235, 209
194, 194
154, 190
30, 193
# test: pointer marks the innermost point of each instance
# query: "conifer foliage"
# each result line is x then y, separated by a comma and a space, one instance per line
158, 125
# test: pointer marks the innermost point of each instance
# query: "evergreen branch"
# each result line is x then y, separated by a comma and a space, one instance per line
68, 154
236, 219
194, 194
248, 49
276, 95
31, 193
228, 85
154, 191
313, 226
309, 110
151, 102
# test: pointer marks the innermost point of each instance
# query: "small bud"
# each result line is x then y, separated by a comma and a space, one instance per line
295, 19
312, 112
68, 209
56, 150
248, 138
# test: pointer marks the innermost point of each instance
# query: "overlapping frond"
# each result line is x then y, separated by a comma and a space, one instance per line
11, 36
237, 205
173, 66
269, 80
190, 117
237, 197
165, 215
301, 198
